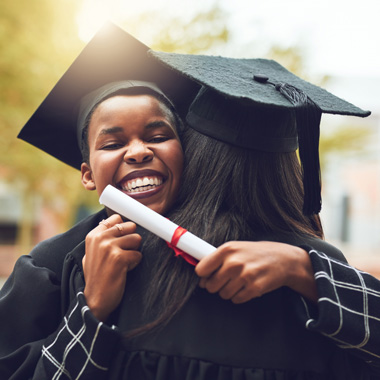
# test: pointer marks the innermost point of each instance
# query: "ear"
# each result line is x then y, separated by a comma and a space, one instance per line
87, 178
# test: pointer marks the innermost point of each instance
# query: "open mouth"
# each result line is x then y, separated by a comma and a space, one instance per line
138, 185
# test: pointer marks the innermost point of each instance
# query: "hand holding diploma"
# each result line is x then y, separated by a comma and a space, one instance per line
128, 207
111, 251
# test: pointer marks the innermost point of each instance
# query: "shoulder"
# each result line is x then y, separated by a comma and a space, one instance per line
308, 241
323, 246
51, 253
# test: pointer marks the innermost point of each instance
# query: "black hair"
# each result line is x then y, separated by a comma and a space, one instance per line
227, 193
169, 109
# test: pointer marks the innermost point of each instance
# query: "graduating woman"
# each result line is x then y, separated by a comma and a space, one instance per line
249, 187
85, 315
245, 109
129, 130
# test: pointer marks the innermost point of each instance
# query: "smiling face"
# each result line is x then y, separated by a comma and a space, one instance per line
133, 146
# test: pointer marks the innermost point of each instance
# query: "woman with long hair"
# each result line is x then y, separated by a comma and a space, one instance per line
245, 317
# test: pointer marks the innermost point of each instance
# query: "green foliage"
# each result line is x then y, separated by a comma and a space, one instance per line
167, 33
347, 138
38, 41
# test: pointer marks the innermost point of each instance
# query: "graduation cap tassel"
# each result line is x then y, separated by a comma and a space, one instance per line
308, 118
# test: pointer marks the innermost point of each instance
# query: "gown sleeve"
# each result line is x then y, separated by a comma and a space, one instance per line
81, 348
38, 340
348, 309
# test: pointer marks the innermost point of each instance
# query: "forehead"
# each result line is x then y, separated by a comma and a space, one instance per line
143, 111
125, 102
129, 106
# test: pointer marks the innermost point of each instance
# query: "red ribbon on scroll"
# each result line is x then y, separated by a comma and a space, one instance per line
178, 252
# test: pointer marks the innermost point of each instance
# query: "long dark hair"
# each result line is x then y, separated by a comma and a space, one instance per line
227, 193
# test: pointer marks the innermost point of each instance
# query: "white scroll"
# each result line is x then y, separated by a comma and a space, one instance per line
133, 210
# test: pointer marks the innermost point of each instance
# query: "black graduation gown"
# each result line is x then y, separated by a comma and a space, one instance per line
47, 330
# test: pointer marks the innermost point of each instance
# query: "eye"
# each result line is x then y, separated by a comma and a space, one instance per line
159, 139
112, 146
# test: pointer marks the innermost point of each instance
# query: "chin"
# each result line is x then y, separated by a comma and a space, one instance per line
160, 209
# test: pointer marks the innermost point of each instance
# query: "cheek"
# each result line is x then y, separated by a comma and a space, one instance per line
176, 163
106, 159
104, 167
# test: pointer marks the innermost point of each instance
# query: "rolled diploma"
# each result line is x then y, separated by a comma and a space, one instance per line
133, 210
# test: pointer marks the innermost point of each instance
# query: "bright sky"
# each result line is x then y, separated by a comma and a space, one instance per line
336, 36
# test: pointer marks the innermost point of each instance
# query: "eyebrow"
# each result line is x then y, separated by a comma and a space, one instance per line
110, 131
158, 123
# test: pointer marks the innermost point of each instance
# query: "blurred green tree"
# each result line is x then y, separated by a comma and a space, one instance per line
37, 43
202, 32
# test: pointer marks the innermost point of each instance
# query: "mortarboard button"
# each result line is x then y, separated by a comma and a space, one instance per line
260, 78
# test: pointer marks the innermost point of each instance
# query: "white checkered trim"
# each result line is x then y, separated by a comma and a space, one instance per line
338, 287
76, 340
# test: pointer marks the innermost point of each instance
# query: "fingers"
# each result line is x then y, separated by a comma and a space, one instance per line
228, 281
220, 278
244, 295
212, 262
238, 271
114, 240
227, 291
218, 268
105, 224
134, 258
111, 251
115, 226
237, 288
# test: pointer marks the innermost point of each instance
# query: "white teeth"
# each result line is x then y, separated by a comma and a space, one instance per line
142, 184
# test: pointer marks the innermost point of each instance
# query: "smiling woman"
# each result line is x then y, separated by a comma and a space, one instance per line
129, 137
133, 145
109, 118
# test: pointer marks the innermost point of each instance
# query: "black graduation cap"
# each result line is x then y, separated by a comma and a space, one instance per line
258, 104
112, 55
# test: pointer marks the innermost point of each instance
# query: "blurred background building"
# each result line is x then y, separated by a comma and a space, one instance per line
351, 179
40, 197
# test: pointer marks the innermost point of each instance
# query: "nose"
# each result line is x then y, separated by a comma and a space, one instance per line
137, 152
